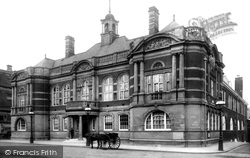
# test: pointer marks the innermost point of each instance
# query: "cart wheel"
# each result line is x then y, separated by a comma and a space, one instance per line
105, 142
115, 143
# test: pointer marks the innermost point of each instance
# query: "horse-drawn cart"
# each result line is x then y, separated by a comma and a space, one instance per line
105, 141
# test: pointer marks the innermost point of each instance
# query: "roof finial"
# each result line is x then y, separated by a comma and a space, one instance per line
173, 17
109, 7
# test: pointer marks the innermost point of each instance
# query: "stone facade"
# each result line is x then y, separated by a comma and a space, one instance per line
160, 88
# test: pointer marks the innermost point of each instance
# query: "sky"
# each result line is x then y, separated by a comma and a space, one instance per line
32, 28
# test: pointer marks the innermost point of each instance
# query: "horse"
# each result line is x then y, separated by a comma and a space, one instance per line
94, 137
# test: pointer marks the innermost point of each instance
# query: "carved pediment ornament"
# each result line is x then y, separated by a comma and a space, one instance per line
21, 76
83, 67
158, 43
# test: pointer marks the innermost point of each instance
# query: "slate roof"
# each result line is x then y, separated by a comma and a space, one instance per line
119, 44
170, 26
4, 80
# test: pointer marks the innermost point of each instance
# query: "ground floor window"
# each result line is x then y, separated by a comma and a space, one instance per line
21, 125
56, 124
108, 122
158, 120
123, 122
65, 124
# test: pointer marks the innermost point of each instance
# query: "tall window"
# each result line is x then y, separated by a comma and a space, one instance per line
158, 83
55, 96
66, 94
212, 121
212, 88
238, 125
65, 124
21, 99
168, 83
21, 125
208, 121
85, 91
123, 124
231, 124
108, 122
242, 125
108, 89
56, 124
123, 87
223, 123
158, 120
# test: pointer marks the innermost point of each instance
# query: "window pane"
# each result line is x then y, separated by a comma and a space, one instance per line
123, 121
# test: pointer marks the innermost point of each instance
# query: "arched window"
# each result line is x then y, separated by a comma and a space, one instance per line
158, 120
21, 125
223, 123
108, 122
55, 96
85, 91
55, 124
231, 124
108, 89
114, 28
123, 122
123, 87
157, 65
106, 27
66, 94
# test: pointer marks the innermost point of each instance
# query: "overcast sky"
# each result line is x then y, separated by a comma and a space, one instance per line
32, 28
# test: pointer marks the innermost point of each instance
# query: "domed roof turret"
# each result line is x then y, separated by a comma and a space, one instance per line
109, 16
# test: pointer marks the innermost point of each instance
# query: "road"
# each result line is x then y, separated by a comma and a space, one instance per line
80, 152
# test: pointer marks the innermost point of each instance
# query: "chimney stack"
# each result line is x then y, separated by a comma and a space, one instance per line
239, 85
153, 20
70, 46
9, 68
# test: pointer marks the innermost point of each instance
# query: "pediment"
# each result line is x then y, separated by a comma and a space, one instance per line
20, 75
81, 66
154, 42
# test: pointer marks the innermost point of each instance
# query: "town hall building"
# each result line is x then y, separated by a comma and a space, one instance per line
160, 88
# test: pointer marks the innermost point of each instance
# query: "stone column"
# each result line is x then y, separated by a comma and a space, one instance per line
28, 95
181, 71
205, 77
15, 98
74, 88
31, 97
93, 88
135, 77
142, 77
69, 127
12, 97
80, 127
173, 71
97, 88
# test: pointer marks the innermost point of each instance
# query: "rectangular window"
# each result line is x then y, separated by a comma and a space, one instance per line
65, 124
212, 88
168, 79
149, 84
123, 122
108, 121
56, 124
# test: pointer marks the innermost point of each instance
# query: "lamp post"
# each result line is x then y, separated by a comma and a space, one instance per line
88, 111
219, 105
31, 113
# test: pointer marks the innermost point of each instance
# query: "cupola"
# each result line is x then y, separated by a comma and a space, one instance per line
109, 29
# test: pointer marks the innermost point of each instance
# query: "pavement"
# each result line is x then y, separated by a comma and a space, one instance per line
228, 146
